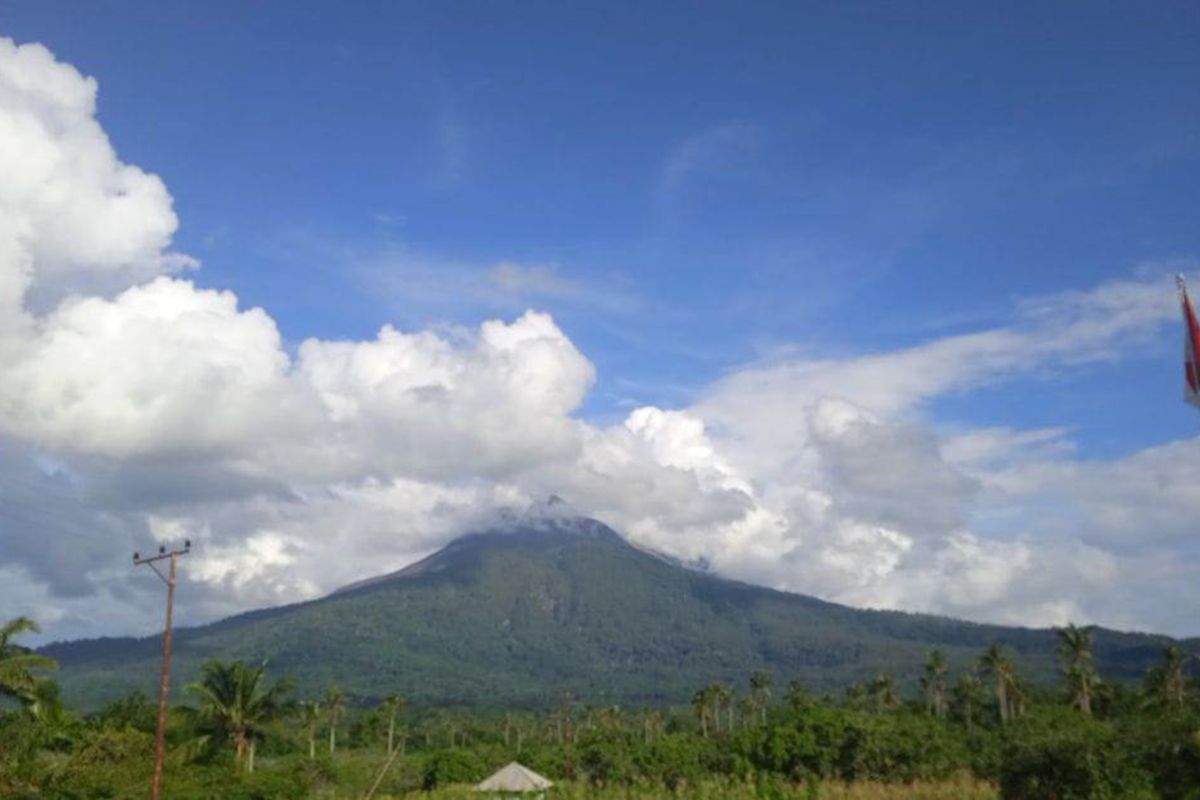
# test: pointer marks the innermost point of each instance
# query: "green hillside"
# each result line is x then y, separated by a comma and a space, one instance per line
516, 617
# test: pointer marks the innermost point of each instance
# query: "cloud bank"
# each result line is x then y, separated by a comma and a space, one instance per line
138, 406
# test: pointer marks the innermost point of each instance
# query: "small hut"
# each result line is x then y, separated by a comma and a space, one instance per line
514, 778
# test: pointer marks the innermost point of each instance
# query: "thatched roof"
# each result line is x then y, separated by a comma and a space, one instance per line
514, 778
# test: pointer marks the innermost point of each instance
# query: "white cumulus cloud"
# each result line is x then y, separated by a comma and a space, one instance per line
138, 407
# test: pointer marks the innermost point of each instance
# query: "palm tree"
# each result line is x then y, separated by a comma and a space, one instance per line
856, 696
724, 696
995, 663
335, 708
883, 690
18, 663
652, 724
393, 704
614, 718
506, 727
236, 700
748, 711
1075, 649
700, 702
1017, 695
760, 693
968, 696
553, 728
519, 729
310, 718
1166, 684
797, 696
58, 725
934, 683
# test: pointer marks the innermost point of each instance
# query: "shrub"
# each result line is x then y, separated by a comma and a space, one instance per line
105, 764
132, 710
807, 741
673, 760
905, 748
1168, 747
1060, 754
454, 765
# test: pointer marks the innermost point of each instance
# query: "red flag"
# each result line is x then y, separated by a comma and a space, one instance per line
1191, 346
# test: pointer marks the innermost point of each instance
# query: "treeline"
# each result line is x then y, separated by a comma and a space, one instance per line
244, 733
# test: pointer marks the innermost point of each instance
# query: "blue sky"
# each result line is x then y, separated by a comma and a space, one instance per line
837, 177
697, 194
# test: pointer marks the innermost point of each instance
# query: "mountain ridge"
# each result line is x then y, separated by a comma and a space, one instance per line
515, 613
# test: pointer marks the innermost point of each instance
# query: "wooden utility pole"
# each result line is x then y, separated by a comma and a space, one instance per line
160, 735
568, 739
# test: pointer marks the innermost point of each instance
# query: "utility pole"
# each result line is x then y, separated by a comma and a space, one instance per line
568, 738
160, 735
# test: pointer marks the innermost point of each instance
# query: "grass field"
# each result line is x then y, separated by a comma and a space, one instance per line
965, 788
353, 774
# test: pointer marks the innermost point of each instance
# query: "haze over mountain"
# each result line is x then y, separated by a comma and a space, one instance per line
531, 607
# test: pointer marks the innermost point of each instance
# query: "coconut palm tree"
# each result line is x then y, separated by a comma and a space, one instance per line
506, 727
335, 709
968, 696
1166, 684
238, 702
934, 683
393, 704
996, 664
797, 696
452, 726
700, 707
58, 726
747, 711
1018, 693
552, 728
519, 729
609, 718
725, 697
883, 691
652, 724
856, 696
18, 663
760, 693
310, 719
1075, 649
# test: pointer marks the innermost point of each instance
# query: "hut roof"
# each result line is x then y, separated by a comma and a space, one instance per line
514, 777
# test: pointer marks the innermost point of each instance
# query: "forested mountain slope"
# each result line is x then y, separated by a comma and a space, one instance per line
519, 615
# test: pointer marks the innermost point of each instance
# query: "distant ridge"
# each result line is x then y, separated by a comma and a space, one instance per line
533, 605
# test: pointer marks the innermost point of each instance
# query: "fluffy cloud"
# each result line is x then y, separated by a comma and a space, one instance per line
997, 524
138, 406
494, 407
72, 216
161, 367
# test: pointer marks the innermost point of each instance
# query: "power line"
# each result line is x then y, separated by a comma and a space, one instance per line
160, 735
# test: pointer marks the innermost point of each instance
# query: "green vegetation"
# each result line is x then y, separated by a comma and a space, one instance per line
17, 663
495, 619
237, 705
1078, 739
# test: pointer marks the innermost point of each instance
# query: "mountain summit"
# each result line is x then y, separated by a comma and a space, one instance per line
540, 530
518, 613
